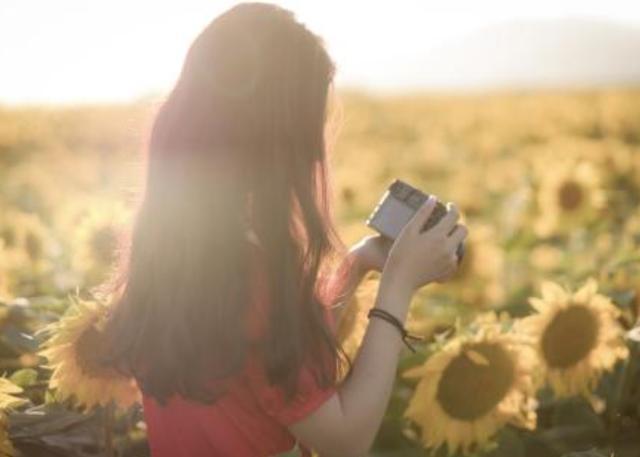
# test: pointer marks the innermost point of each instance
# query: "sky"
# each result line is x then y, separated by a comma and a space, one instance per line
85, 51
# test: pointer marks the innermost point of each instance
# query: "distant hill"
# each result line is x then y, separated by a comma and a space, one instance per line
533, 54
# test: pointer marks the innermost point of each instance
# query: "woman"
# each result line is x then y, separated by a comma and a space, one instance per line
225, 286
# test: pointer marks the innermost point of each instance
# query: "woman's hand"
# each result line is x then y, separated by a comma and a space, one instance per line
372, 252
420, 257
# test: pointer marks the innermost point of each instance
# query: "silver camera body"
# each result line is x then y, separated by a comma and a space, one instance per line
398, 205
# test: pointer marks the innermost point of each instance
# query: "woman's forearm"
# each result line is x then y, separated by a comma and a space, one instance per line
365, 394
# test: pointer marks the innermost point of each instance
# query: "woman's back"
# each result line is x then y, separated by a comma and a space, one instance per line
250, 419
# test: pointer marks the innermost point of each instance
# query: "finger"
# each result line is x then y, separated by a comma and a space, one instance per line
459, 234
449, 221
421, 216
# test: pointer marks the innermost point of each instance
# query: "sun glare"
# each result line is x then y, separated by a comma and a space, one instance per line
72, 51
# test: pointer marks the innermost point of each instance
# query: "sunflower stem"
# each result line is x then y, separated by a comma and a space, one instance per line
109, 413
623, 390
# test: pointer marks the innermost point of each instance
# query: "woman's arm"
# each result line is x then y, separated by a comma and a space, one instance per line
368, 254
346, 424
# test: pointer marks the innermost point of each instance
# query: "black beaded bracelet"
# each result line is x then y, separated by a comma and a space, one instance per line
385, 315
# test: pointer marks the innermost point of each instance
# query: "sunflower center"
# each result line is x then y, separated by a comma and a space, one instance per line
570, 195
569, 337
88, 347
468, 390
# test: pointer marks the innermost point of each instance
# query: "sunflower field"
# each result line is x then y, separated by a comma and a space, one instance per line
532, 350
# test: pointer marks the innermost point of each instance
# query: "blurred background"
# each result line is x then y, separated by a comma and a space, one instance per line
526, 114
71, 51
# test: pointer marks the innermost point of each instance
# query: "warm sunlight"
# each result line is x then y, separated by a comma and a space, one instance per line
74, 50
438, 198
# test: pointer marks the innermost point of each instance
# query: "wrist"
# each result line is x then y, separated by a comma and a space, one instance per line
395, 292
392, 277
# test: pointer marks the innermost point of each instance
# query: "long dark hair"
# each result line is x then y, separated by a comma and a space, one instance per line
245, 121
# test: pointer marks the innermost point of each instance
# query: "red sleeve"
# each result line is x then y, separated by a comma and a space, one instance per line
271, 398
310, 395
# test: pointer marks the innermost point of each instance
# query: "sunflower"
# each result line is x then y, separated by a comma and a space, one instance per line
96, 240
73, 351
576, 336
473, 385
8, 390
622, 279
26, 245
479, 281
570, 193
6, 446
25, 238
8, 401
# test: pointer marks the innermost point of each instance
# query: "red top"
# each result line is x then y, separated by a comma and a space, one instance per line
250, 420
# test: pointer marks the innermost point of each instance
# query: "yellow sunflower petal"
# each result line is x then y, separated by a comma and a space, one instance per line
586, 291
552, 291
72, 351
414, 372
476, 357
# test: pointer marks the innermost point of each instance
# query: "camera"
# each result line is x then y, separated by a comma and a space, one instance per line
398, 205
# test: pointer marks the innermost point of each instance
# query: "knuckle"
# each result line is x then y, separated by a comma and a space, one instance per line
427, 205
